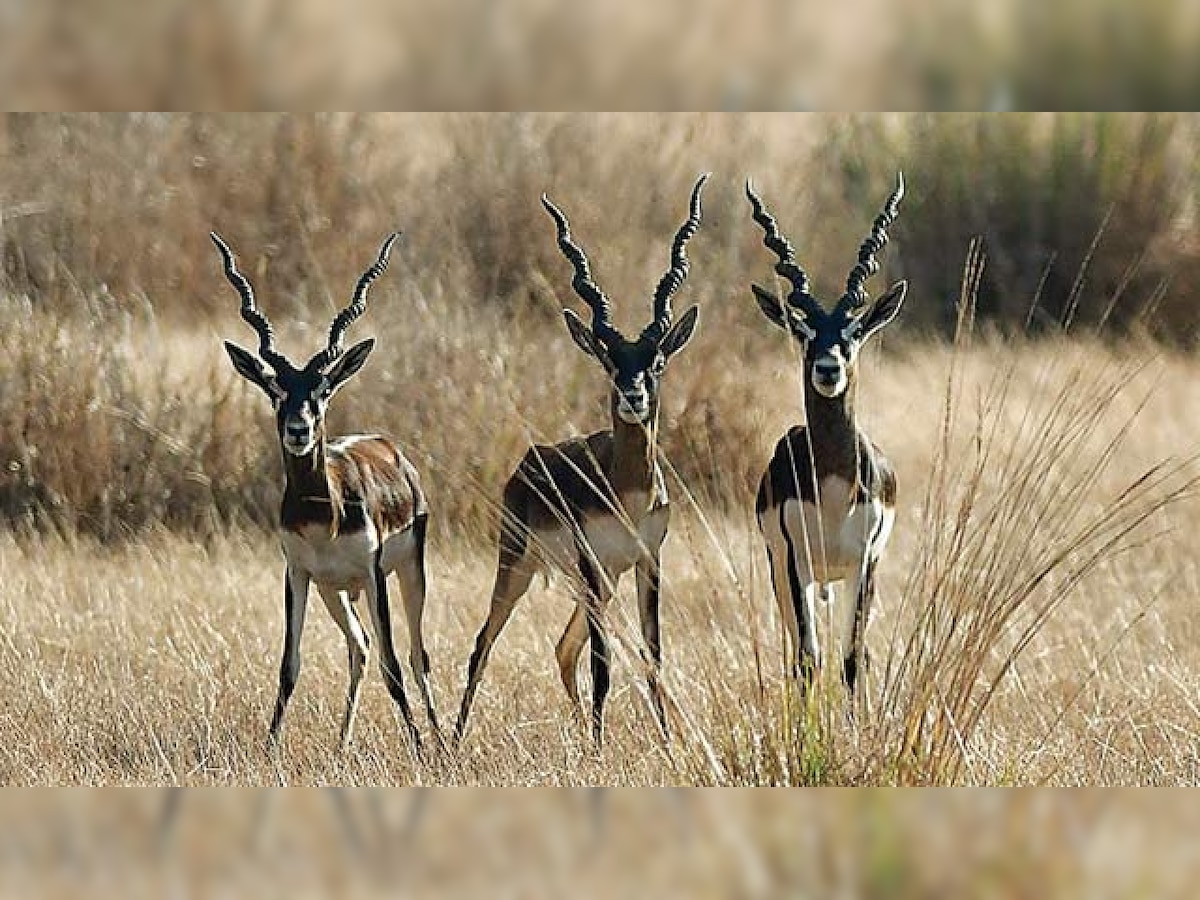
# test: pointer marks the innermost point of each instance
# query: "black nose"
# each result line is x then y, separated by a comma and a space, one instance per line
827, 370
297, 430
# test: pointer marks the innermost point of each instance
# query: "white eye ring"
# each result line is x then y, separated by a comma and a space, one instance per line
802, 328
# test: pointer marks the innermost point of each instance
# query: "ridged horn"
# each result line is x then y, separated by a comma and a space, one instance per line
677, 273
357, 306
250, 311
582, 282
867, 265
787, 267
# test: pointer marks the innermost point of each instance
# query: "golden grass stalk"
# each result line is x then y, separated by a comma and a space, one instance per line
1011, 529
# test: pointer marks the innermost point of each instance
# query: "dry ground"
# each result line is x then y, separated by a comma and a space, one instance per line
155, 662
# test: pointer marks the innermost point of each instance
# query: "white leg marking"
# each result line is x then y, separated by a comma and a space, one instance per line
810, 606
338, 604
413, 590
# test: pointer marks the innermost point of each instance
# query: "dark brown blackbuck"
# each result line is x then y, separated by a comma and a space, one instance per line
826, 502
353, 509
596, 506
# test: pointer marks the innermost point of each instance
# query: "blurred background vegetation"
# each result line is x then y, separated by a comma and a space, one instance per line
119, 411
529, 54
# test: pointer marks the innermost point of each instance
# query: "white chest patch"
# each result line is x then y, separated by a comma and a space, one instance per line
343, 563
615, 546
811, 545
831, 538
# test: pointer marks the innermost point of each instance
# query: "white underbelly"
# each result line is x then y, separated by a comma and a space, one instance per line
615, 545
612, 543
342, 563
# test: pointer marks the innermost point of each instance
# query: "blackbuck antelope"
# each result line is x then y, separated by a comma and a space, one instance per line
353, 510
596, 505
826, 502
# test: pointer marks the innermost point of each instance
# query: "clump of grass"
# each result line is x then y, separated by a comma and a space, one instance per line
1030, 501
1012, 528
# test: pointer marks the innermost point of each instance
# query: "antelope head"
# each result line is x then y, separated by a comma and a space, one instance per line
635, 367
831, 340
300, 394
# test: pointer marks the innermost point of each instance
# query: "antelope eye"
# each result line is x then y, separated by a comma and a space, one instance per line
799, 326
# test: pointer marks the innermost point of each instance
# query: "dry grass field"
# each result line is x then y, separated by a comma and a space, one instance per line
154, 660
1035, 624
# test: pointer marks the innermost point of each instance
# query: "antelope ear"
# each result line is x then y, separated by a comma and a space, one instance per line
347, 365
884, 310
771, 307
252, 369
681, 332
583, 336
787, 317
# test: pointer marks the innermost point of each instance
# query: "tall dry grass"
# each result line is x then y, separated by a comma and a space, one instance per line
1015, 643
1014, 526
1034, 622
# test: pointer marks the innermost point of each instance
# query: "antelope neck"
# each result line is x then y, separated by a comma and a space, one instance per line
832, 429
634, 451
307, 479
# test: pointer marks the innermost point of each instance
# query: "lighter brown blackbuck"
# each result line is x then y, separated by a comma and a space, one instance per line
596, 506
